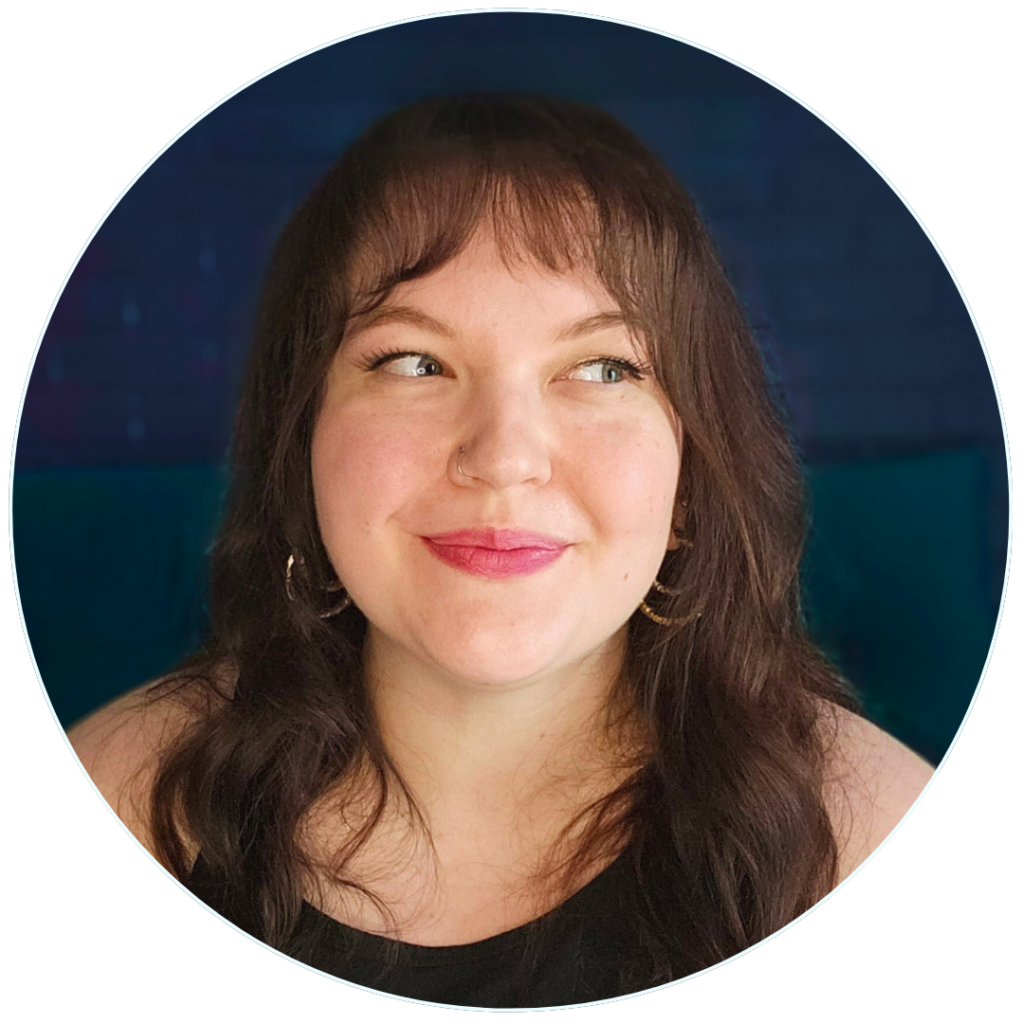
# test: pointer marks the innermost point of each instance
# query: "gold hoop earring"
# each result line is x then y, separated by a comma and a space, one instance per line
662, 589
333, 588
664, 620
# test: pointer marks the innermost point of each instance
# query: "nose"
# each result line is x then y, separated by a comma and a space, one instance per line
504, 439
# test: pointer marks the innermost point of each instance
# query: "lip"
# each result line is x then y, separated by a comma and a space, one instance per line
496, 554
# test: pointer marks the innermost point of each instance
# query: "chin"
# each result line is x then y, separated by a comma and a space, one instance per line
484, 645
500, 657
506, 656
492, 666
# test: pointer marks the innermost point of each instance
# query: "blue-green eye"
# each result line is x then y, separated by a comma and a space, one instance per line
605, 371
412, 364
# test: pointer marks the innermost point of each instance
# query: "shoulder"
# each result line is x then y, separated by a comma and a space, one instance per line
121, 747
872, 780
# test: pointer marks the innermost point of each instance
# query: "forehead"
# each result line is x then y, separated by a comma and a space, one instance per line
485, 284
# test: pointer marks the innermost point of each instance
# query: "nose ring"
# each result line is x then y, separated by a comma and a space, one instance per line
462, 451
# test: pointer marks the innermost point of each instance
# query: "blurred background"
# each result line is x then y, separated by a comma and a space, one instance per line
119, 462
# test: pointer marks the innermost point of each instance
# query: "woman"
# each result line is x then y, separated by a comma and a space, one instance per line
507, 699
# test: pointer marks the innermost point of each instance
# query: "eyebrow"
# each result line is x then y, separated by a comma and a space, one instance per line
417, 318
591, 325
399, 315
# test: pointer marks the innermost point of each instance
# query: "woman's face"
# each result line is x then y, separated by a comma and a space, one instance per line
534, 556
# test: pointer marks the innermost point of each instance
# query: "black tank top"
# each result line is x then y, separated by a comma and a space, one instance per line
586, 949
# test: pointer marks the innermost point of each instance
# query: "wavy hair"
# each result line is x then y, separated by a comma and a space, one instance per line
726, 805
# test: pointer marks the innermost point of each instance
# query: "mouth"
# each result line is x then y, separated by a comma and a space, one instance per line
496, 554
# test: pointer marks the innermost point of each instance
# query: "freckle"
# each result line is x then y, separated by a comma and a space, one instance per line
626, 577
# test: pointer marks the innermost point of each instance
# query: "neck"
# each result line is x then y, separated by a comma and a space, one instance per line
498, 773
469, 750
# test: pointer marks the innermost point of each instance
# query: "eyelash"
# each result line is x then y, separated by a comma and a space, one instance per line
377, 359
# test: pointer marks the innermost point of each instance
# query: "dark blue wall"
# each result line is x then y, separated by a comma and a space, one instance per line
872, 345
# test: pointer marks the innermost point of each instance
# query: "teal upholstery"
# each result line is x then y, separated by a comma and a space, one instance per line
898, 588
110, 569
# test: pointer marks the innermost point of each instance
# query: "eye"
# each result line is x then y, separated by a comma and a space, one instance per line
606, 371
407, 364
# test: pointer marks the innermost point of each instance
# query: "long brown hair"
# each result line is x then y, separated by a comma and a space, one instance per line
726, 810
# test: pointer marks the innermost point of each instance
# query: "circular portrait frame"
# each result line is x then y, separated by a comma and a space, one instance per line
126, 318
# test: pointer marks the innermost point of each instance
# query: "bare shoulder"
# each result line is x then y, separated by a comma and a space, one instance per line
872, 780
121, 745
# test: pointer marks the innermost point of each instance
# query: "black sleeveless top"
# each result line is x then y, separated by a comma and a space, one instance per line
586, 949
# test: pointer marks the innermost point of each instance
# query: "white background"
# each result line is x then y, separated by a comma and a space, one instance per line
928, 929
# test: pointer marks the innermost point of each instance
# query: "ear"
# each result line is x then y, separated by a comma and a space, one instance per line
677, 538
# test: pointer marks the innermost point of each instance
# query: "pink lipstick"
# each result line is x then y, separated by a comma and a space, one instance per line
496, 554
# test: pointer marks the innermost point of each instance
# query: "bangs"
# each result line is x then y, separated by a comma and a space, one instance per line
545, 193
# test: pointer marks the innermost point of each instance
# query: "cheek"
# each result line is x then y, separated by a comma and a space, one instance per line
631, 475
365, 468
